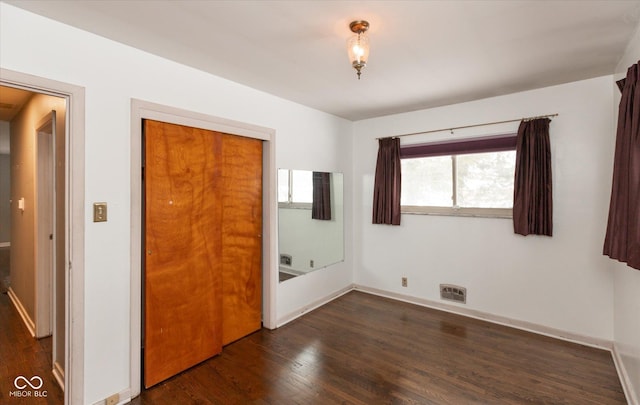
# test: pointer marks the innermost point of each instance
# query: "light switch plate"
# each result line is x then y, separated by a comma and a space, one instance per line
100, 212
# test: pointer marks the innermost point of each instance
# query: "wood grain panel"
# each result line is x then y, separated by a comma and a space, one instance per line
241, 237
183, 315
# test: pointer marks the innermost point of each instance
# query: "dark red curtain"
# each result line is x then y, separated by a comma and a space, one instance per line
321, 206
386, 189
532, 191
622, 240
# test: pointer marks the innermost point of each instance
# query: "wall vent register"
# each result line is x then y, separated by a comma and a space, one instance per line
286, 260
453, 293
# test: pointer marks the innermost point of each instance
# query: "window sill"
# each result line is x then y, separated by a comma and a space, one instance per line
505, 213
295, 206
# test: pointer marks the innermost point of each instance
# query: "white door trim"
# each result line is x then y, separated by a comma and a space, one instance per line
146, 110
44, 224
74, 226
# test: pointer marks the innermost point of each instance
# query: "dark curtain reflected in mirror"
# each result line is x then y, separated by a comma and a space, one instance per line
321, 204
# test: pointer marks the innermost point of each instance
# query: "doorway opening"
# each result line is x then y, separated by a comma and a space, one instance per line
31, 218
45, 221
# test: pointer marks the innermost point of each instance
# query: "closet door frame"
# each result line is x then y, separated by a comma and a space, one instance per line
141, 110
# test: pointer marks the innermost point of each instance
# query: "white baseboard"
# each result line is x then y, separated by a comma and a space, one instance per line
624, 377
500, 320
316, 304
31, 325
58, 374
293, 272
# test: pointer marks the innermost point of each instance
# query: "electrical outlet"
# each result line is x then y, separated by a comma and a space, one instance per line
404, 281
112, 400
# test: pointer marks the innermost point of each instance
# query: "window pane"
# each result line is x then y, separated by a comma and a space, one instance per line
302, 186
427, 181
283, 185
485, 180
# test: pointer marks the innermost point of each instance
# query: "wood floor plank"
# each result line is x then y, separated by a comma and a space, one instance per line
364, 349
23, 355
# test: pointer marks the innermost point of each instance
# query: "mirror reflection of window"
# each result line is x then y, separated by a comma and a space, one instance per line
306, 244
283, 185
295, 186
301, 186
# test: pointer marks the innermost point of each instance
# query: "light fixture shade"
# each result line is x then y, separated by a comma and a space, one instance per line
358, 45
358, 48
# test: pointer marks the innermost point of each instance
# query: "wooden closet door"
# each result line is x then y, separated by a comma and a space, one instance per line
241, 237
183, 248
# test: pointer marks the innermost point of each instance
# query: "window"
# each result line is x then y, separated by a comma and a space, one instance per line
295, 188
464, 177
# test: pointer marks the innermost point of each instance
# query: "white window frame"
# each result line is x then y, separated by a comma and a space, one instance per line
290, 203
456, 210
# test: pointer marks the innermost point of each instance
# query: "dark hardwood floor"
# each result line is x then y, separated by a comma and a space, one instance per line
364, 349
23, 355
285, 276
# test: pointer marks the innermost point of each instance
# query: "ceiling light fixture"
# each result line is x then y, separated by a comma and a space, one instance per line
358, 45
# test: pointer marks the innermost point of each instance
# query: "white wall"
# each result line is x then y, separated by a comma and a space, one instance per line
112, 74
627, 280
556, 282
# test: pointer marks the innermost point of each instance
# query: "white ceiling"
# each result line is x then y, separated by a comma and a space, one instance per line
423, 53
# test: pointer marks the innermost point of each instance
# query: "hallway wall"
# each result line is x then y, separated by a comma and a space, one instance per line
23, 164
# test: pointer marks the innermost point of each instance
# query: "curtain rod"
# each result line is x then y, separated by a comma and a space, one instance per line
471, 126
